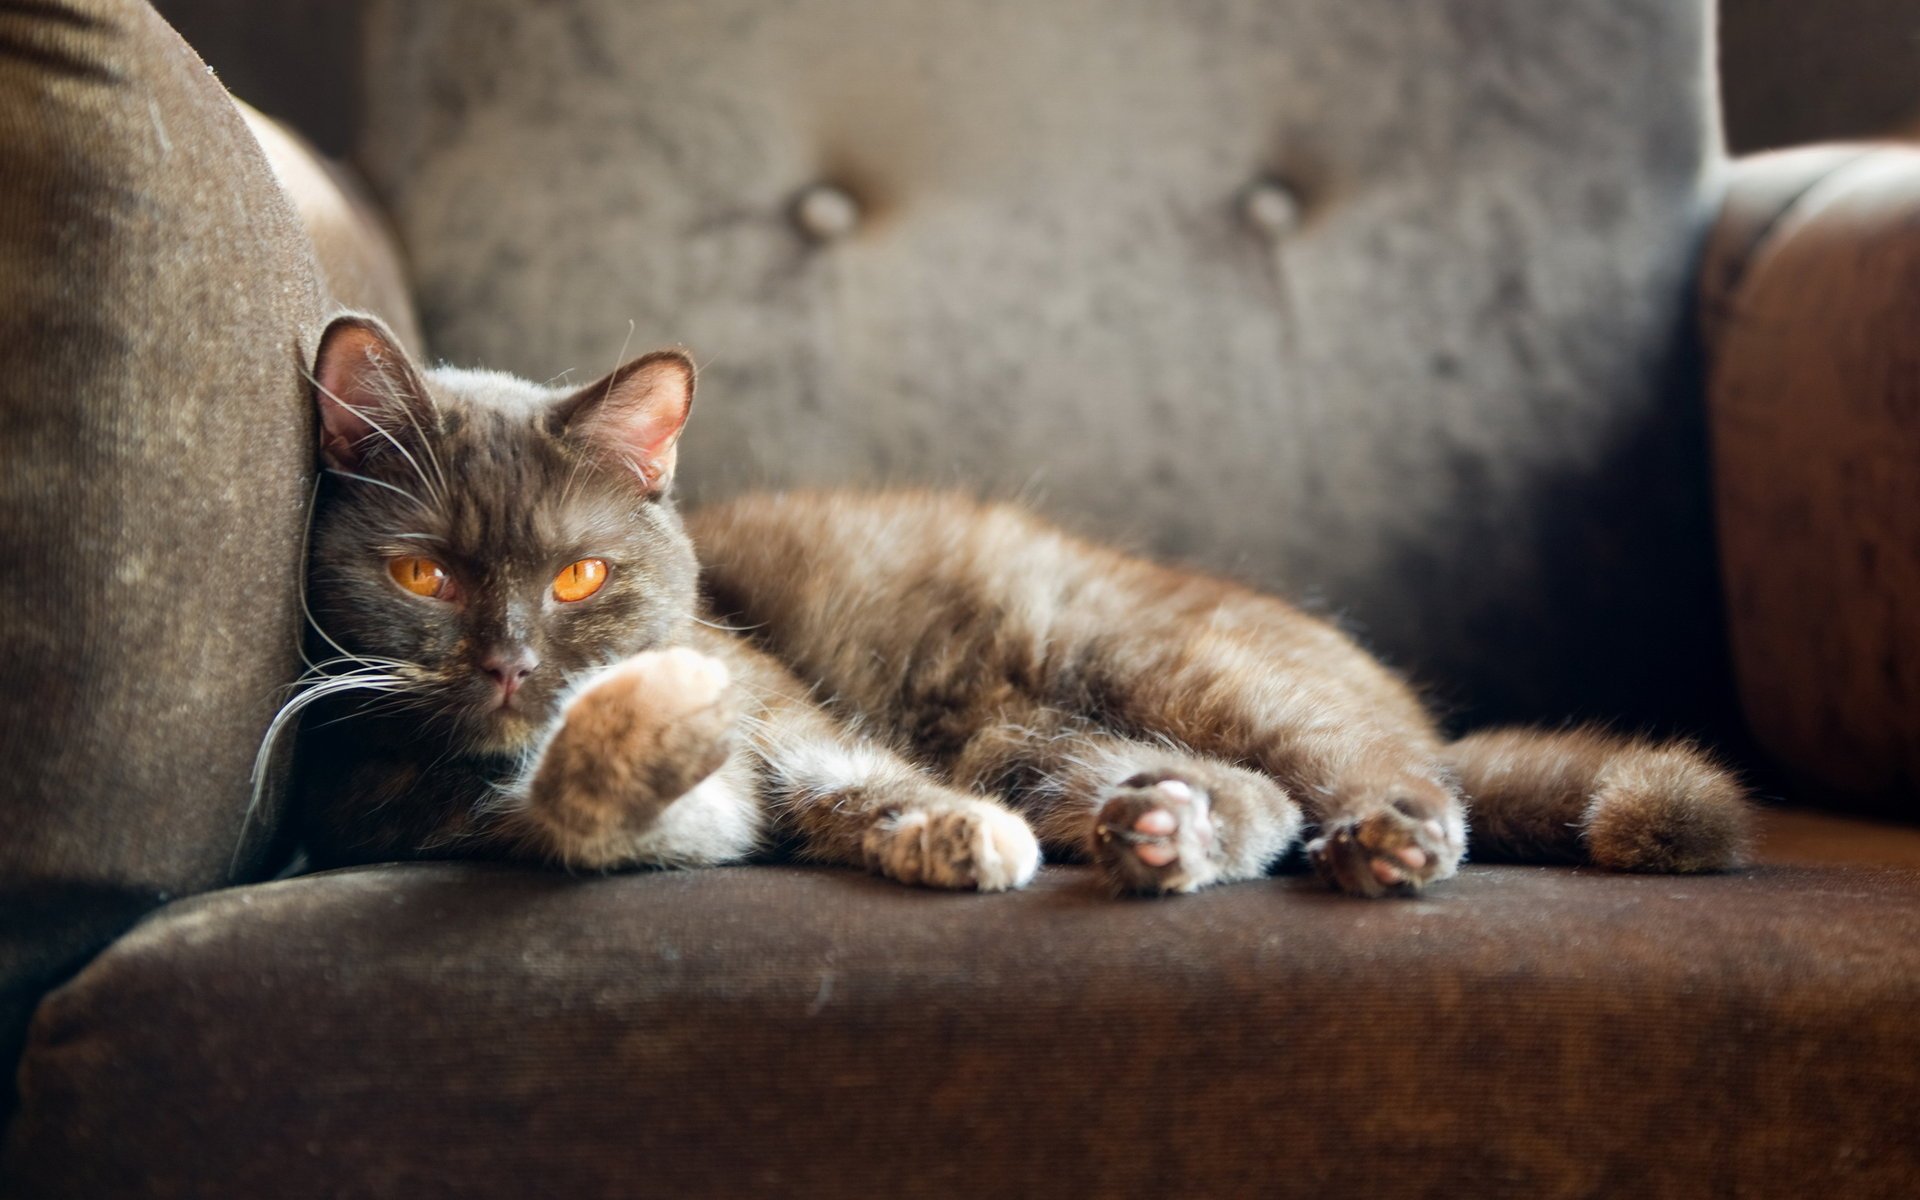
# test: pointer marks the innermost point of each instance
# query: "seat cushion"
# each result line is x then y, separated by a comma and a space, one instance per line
485, 1031
1804, 837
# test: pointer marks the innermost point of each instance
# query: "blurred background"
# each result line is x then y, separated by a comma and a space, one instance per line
1791, 71
1794, 71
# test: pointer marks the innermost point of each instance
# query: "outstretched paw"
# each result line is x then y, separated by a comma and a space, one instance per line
1155, 834
664, 685
639, 737
1395, 850
976, 845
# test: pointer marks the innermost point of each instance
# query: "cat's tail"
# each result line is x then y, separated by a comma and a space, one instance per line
1585, 795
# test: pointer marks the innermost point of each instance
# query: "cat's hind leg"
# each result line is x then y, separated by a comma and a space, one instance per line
1584, 795
856, 803
1293, 698
844, 798
1152, 817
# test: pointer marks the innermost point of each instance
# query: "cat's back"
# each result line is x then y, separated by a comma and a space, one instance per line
880, 596
821, 557
811, 533
837, 549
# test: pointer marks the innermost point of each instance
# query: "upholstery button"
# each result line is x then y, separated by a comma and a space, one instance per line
1270, 207
824, 212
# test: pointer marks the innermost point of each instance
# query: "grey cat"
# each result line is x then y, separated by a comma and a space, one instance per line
526, 659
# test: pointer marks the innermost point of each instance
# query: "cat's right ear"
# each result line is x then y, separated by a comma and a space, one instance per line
365, 390
634, 416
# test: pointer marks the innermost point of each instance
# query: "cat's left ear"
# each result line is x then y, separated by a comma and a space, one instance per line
635, 414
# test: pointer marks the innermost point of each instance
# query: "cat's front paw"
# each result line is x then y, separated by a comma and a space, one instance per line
1155, 834
973, 845
1397, 849
639, 737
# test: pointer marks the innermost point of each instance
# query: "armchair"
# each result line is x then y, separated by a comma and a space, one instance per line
1394, 305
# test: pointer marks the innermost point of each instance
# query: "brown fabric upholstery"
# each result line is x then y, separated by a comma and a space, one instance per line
1803, 837
459, 1030
1760, 190
154, 451
1812, 302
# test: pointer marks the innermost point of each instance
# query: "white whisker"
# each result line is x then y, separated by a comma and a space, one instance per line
725, 628
263, 758
380, 483
394, 400
306, 610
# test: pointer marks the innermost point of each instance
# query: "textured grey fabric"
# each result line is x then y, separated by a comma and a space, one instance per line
1454, 401
462, 1031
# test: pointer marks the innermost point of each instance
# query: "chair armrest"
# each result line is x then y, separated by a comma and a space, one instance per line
1810, 311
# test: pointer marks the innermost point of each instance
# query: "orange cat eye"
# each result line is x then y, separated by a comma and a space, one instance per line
580, 580
421, 576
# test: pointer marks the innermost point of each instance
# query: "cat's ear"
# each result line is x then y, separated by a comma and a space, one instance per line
635, 415
365, 390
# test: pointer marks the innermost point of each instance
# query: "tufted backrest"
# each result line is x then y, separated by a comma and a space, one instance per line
1380, 303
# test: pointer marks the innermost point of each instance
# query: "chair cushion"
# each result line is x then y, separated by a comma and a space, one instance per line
484, 1031
155, 291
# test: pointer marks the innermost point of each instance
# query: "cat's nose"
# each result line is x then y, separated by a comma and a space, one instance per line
509, 668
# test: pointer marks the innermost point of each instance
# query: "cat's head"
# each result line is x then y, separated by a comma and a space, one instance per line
490, 540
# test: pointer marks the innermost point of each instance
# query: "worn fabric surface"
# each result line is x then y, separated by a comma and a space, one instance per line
1447, 394
1814, 319
154, 291
465, 1031
1808, 837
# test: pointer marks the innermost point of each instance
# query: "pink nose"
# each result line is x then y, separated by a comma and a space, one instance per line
510, 668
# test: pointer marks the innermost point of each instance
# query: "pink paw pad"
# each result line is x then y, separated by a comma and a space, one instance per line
1413, 858
1159, 823
1155, 835
1156, 822
1155, 854
1397, 850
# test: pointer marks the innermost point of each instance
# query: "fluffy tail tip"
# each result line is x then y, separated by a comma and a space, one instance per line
1668, 810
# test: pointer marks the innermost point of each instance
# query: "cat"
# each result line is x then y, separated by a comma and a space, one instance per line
529, 660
